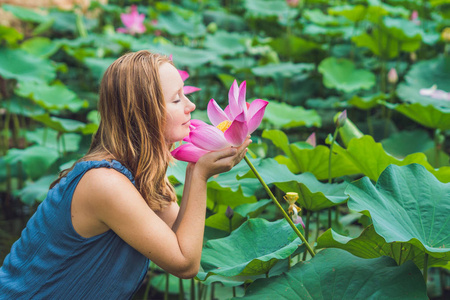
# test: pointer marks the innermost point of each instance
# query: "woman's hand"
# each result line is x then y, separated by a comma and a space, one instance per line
221, 161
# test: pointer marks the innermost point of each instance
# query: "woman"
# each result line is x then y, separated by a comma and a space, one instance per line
115, 209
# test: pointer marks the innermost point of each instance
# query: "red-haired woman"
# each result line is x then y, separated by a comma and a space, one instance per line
114, 210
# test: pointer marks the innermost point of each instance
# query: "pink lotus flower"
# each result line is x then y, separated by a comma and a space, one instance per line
392, 76
312, 139
415, 17
231, 126
296, 218
187, 89
134, 22
434, 93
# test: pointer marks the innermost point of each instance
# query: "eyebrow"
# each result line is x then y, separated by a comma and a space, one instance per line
176, 93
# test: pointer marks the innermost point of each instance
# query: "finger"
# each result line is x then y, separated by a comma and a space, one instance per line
224, 153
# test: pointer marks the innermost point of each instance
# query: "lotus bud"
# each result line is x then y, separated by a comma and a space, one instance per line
413, 56
292, 3
340, 121
312, 139
392, 76
212, 27
446, 34
229, 213
296, 218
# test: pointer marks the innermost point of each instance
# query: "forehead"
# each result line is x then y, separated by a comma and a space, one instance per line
170, 79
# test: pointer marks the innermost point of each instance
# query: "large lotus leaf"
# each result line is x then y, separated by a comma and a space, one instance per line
226, 43
22, 107
342, 75
294, 47
252, 249
25, 14
314, 30
402, 143
98, 66
49, 138
381, 44
174, 24
408, 204
371, 245
337, 274
286, 116
236, 63
36, 191
185, 56
371, 159
266, 8
423, 75
429, 115
318, 17
50, 97
314, 160
241, 213
217, 194
10, 35
401, 28
35, 159
20, 65
60, 124
366, 102
283, 69
313, 195
40, 46
354, 13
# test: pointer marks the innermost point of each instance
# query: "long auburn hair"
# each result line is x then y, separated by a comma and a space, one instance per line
132, 111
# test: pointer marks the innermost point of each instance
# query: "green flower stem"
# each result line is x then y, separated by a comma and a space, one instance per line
329, 169
425, 268
285, 215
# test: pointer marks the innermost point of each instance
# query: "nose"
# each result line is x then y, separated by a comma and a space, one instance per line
190, 107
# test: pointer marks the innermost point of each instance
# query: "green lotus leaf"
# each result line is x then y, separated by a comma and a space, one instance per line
354, 13
367, 102
266, 8
342, 75
371, 159
236, 63
314, 160
337, 274
22, 107
60, 124
400, 28
25, 14
314, 30
18, 64
224, 19
318, 17
403, 143
423, 75
50, 97
226, 43
381, 44
283, 69
40, 46
10, 35
314, 195
217, 194
407, 204
241, 213
286, 116
429, 116
47, 137
174, 24
35, 159
371, 245
252, 249
185, 56
294, 47
36, 191
98, 66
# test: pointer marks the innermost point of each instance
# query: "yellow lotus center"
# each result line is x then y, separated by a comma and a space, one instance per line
291, 197
224, 125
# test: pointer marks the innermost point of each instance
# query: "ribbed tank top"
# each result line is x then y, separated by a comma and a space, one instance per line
52, 261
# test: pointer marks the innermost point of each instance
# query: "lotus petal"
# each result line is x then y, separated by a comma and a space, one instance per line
215, 114
184, 75
241, 100
228, 112
208, 138
188, 152
233, 96
255, 114
236, 133
187, 89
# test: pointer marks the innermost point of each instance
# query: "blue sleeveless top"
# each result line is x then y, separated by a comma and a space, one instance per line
52, 261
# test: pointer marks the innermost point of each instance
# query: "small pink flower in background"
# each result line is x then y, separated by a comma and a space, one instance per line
231, 126
340, 121
296, 218
312, 139
185, 75
415, 17
434, 93
392, 76
291, 198
292, 3
134, 22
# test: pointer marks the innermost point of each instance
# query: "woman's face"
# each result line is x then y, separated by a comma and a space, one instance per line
178, 106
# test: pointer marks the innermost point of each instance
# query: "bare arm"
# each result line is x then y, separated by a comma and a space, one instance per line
115, 202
